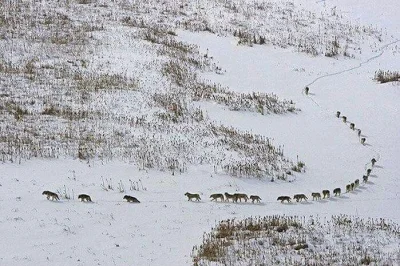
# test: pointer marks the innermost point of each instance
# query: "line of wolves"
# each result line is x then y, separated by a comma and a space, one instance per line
352, 126
336, 191
344, 119
326, 193
84, 197
238, 196
225, 197
298, 197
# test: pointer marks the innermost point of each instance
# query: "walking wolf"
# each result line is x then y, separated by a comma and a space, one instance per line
51, 195
217, 196
192, 196
326, 193
255, 198
369, 171
316, 196
300, 197
84, 197
283, 198
229, 196
240, 196
131, 199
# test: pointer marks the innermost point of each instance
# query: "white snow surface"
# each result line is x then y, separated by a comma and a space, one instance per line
164, 227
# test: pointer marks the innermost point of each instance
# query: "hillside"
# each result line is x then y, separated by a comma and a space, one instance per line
154, 99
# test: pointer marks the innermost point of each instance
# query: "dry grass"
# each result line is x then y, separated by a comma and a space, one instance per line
58, 102
387, 76
284, 240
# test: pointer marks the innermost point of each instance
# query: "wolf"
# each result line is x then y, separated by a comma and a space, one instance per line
344, 118
300, 197
316, 195
337, 191
229, 196
240, 196
352, 186
373, 161
283, 198
369, 171
365, 178
326, 193
217, 196
84, 197
352, 125
356, 183
348, 188
51, 195
192, 196
359, 132
338, 114
255, 198
362, 140
131, 199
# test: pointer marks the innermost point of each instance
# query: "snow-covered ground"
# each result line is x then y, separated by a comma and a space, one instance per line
164, 227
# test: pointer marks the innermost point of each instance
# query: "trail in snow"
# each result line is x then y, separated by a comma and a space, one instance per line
348, 70
382, 49
356, 67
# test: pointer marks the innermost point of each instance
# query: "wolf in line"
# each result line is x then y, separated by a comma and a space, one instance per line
131, 199
369, 171
229, 196
316, 196
255, 198
84, 197
240, 196
300, 197
217, 196
326, 193
51, 195
283, 198
337, 191
192, 196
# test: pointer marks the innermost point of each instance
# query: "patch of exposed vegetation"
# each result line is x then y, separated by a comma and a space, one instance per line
282, 24
387, 76
62, 100
284, 240
63, 96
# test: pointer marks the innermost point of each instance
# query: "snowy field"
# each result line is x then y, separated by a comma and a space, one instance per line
164, 227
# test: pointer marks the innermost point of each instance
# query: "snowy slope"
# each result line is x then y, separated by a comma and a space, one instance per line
164, 227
